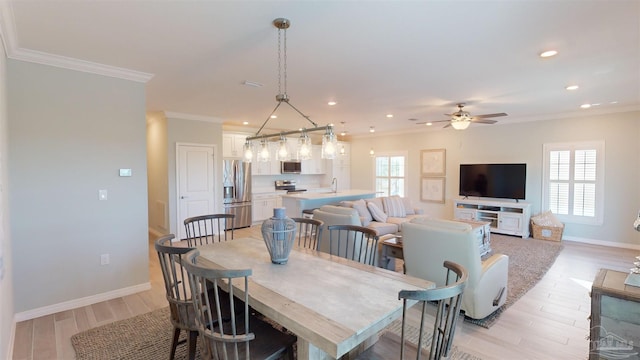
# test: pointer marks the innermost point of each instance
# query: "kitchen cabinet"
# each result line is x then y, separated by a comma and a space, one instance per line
233, 144
263, 204
315, 165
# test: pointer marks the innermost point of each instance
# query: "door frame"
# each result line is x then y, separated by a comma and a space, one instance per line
216, 177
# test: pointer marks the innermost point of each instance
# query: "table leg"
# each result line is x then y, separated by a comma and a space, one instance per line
308, 351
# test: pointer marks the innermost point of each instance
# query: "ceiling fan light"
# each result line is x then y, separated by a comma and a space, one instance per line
460, 124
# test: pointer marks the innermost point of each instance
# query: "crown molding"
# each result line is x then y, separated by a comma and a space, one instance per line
8, 35
183, 116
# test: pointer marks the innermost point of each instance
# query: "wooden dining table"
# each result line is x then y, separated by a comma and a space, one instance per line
333, 305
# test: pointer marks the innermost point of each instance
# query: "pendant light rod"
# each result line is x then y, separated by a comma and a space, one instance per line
291, 132
280, 101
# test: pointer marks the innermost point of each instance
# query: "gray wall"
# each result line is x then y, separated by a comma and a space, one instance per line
70, 132
522, 142
6, 284
180, 130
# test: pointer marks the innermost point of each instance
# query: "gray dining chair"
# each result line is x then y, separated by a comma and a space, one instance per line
206, 229
354, 242
244, 336
178, 293
447, 299
309, 233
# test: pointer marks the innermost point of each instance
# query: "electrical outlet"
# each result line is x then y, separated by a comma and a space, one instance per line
104, 259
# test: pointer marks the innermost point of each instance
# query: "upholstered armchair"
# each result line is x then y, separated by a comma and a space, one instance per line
428, 242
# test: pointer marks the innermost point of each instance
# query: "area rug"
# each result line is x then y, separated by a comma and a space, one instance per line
411, 335
143, 337
148, 337
529, 260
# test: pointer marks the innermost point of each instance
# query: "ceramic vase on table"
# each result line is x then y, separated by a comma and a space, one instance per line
278, 233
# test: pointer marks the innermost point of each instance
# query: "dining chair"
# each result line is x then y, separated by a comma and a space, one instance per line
178, 293
447, 299
243, 337
354, 242
205, 229
309, 232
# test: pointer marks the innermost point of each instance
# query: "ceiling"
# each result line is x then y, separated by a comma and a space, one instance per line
412, 59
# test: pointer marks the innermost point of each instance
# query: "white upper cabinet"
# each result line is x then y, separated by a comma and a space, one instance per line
233, 144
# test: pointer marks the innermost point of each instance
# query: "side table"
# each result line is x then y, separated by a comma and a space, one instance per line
615, 317
391, 250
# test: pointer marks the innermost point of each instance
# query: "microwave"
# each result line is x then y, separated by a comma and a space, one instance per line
290, 167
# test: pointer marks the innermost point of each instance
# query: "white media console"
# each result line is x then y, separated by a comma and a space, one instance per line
506, 217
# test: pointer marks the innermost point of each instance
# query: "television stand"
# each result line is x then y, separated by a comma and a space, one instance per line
506, 217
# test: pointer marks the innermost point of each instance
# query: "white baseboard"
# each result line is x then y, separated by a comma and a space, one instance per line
601, 242
76, 303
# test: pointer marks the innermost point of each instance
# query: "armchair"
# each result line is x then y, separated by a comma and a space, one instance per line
428, 242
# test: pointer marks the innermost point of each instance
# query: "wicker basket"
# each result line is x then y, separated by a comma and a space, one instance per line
552, 233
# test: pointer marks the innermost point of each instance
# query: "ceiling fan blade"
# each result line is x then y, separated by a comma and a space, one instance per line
483, 121
446, 126
437, 121
490, 115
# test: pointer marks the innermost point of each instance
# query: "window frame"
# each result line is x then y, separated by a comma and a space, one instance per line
599, 146
390, 154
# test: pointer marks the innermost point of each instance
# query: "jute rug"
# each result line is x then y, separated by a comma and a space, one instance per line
412, 333
148, 337
529, 260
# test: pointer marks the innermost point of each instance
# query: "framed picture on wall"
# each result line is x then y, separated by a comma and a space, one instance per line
432, 189
433, 162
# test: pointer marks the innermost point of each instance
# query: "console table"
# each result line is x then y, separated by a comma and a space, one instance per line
505, 217
615, 317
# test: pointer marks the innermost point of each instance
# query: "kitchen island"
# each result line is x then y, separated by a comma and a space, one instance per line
296, 202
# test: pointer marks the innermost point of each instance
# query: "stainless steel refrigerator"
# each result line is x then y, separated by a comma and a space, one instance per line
236, 177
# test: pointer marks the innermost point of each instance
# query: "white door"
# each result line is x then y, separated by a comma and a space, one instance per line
195, 182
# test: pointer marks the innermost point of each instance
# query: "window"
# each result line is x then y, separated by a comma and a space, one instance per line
573, 181
390, 174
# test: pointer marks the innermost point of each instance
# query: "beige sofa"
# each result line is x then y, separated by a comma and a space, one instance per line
428, 242
382, 214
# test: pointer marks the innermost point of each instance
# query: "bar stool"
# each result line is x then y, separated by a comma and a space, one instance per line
307, 213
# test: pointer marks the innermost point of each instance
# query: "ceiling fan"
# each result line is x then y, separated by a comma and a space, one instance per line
461, 119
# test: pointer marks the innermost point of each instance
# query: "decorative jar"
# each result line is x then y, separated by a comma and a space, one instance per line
279, 233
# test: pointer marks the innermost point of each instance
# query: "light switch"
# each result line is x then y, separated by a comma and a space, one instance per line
102, 194
125, 172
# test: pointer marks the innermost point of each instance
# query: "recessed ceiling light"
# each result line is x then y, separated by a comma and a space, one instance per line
389, 115
343, 133
548, 53
331, 103
585, 106
372, 129
572, 87
613, 102
428, 124
245, 123
274, 116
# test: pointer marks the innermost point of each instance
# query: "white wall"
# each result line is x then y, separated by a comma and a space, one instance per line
6, 283
69, 133
522, 142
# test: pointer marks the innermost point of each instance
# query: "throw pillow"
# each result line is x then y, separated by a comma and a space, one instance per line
361, 207
394, 206
376, 212
408, 207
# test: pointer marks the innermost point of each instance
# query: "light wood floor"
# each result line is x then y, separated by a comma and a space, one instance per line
549, 322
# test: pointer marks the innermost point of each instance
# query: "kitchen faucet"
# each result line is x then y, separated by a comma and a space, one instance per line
334, 185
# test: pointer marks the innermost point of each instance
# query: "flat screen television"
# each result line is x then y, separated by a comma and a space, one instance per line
503, 181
